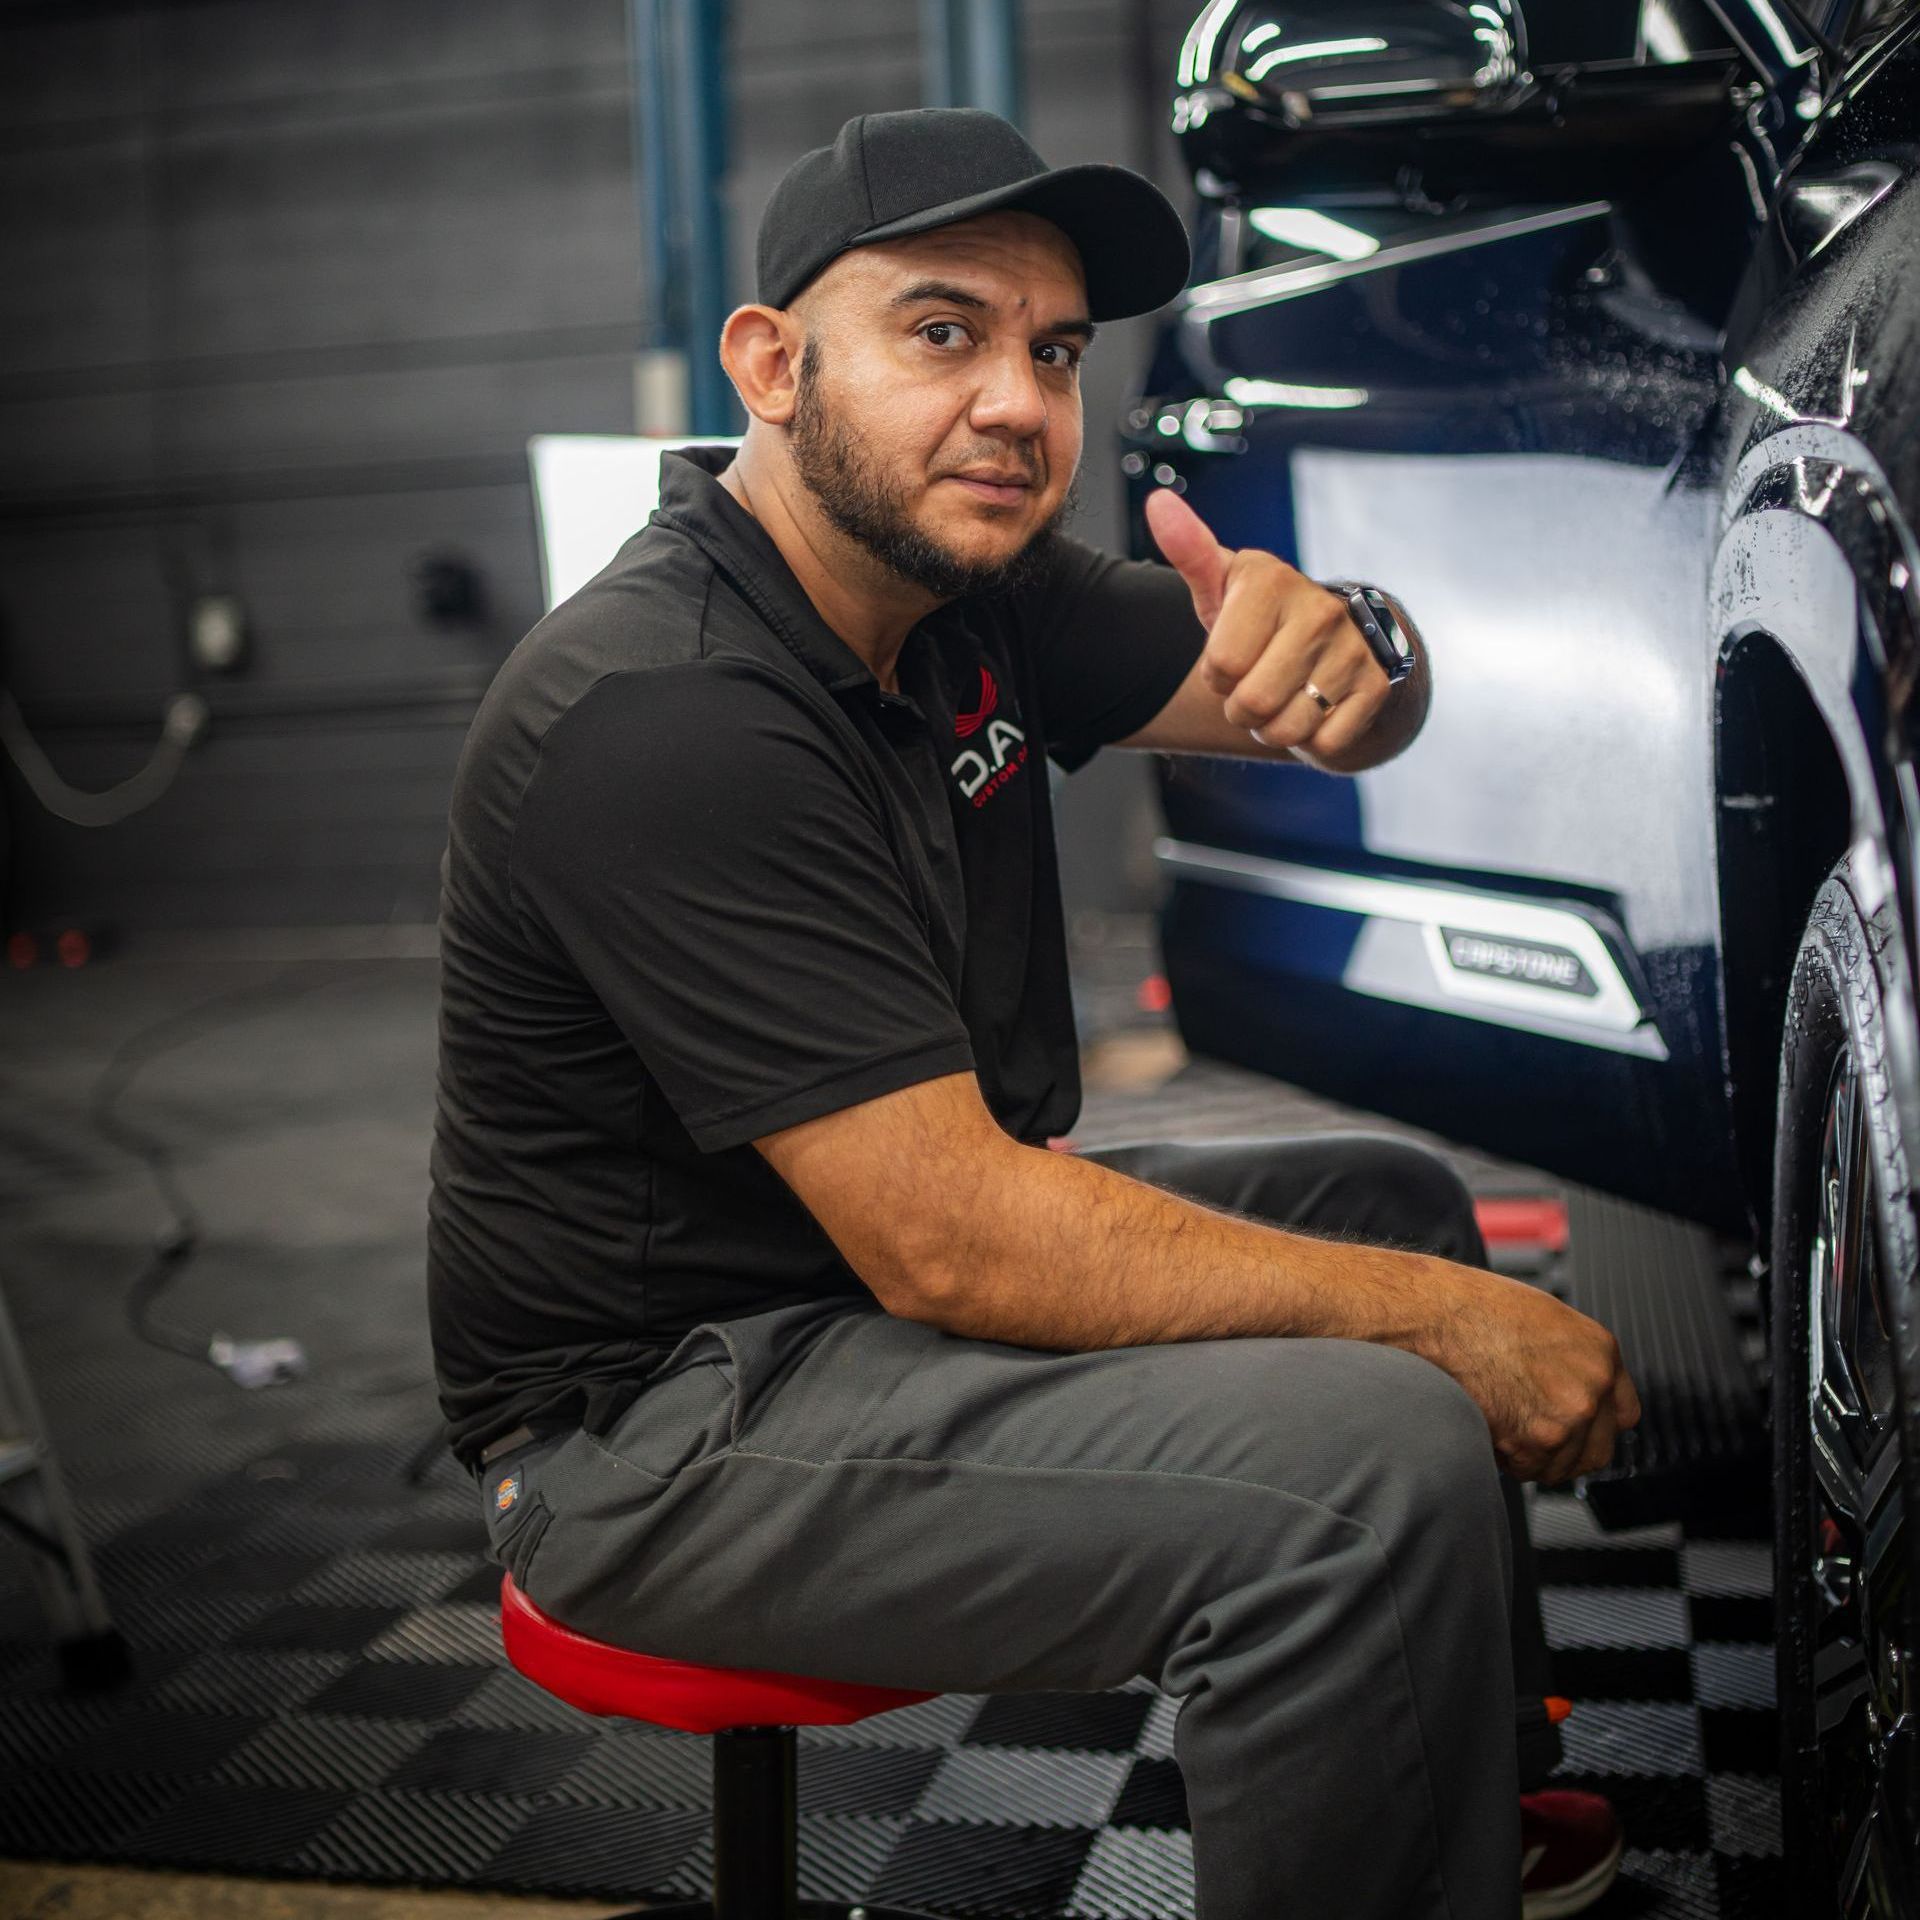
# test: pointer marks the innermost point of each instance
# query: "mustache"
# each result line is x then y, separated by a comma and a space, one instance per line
996, 457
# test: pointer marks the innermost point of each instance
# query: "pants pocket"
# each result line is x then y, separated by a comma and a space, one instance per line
684, 1417
516, 1551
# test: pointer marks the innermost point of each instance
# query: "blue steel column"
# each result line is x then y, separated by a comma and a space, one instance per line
970, 56
662, 324
715, 407
677, 52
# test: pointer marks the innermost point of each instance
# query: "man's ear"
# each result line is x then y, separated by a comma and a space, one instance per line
760, 350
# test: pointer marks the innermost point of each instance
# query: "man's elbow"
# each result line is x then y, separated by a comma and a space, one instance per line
923, 1274
901, 1184
921, 1297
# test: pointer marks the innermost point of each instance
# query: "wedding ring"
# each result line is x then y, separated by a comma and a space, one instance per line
1326, 705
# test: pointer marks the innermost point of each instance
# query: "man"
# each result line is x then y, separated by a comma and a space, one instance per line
776, 1335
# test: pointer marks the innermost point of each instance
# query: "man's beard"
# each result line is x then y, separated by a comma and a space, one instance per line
853, 494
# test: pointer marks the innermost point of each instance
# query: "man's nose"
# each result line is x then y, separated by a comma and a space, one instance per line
1010, 398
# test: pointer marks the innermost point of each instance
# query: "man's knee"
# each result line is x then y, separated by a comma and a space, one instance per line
1440, 1436
1435, 1496
1377, 1431
1413, 1458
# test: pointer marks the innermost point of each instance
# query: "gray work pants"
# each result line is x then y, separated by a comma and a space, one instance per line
1307, 1541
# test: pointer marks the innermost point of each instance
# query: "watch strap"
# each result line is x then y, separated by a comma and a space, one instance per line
1377, 626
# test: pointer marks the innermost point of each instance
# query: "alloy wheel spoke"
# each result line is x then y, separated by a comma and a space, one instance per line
1854, 1227
1827, 1256
1861, 1674
1856, 1898
1841, 1682
1870, 1338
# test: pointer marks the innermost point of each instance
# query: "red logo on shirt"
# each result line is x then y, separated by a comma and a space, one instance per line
966, 723
981, 771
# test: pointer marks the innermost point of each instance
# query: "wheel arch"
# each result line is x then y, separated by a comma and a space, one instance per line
1783, 814
1798, 601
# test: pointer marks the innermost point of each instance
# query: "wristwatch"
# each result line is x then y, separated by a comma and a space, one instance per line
1388, 636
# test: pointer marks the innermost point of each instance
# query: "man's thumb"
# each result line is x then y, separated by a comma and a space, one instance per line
1188, 542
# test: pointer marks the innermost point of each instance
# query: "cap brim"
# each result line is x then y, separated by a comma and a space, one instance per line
1133, 247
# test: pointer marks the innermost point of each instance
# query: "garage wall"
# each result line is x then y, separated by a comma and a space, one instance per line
290, 284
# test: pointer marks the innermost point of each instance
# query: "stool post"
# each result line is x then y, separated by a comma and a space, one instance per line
756, 1812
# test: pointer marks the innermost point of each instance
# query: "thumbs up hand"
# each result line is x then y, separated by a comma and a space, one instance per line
1275, 639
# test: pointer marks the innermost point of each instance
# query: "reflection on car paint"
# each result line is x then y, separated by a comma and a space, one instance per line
1625, 449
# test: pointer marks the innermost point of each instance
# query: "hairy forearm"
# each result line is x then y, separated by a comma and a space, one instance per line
951, 1222
1059, 1252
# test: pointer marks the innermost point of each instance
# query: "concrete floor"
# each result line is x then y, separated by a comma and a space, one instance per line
41, 1892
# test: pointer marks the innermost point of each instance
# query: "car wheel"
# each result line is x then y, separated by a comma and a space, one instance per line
1843, 1256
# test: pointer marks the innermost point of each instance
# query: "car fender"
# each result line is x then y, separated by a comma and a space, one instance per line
1804, 508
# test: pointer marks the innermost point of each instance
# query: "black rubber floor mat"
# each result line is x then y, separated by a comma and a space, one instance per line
319, 1688
349, 1714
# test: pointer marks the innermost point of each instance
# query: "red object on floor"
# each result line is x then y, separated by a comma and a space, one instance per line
599, 1678
1154, 995
1522, 1220
1570, 1852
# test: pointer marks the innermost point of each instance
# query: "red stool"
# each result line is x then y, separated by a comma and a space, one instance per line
752, 1716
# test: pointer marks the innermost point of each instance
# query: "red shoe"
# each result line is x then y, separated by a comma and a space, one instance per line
1569, 1852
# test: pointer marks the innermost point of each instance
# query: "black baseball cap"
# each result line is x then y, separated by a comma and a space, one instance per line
889, 174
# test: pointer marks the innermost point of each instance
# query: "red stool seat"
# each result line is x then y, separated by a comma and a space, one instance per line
599, 1678
751, 1714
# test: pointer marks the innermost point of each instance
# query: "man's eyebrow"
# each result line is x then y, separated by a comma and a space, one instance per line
1079, 326
939, 290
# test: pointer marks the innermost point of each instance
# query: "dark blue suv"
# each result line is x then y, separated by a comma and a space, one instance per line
1590, 329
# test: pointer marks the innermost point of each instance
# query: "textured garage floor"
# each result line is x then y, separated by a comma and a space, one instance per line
319, 1690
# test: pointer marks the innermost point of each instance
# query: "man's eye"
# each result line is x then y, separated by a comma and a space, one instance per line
1069, 357
941, 327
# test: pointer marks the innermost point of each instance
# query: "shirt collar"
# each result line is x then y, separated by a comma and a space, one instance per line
693, 502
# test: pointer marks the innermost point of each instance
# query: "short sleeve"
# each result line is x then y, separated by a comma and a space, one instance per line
692, 840
1112, 640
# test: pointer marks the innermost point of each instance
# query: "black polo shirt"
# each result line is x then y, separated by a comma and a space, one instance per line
705, 879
